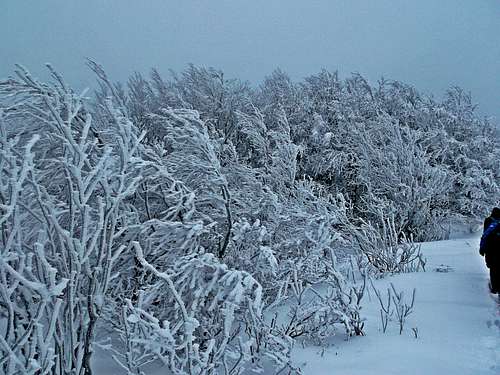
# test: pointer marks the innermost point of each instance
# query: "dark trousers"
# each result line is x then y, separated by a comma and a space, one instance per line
495, 279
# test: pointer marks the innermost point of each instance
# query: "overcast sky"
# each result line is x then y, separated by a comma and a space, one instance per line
431, 44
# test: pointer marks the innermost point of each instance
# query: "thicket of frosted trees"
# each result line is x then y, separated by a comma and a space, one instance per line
206, 226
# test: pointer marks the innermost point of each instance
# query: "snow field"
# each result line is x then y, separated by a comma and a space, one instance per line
456, 317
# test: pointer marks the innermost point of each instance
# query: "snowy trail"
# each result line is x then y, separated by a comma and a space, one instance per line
456, 317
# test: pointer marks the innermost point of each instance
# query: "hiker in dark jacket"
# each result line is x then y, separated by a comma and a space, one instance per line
490, 248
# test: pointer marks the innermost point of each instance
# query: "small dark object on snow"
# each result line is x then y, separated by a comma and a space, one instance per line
490, 248
443, 268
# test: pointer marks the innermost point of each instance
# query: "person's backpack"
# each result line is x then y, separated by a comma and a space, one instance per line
490, 237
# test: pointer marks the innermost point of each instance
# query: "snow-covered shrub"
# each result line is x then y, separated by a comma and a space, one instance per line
199, 317
387, 249
310, 279
31, 288
191, 157
251, 251
478, 191
269, 148
468, 147
402, 307
320, 297
64, 205
396, 303
399, 181
215, 97
278, 245
279, 92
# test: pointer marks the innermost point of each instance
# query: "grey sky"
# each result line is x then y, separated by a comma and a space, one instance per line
432, 44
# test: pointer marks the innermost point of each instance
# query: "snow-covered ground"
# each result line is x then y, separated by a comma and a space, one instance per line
457, 321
